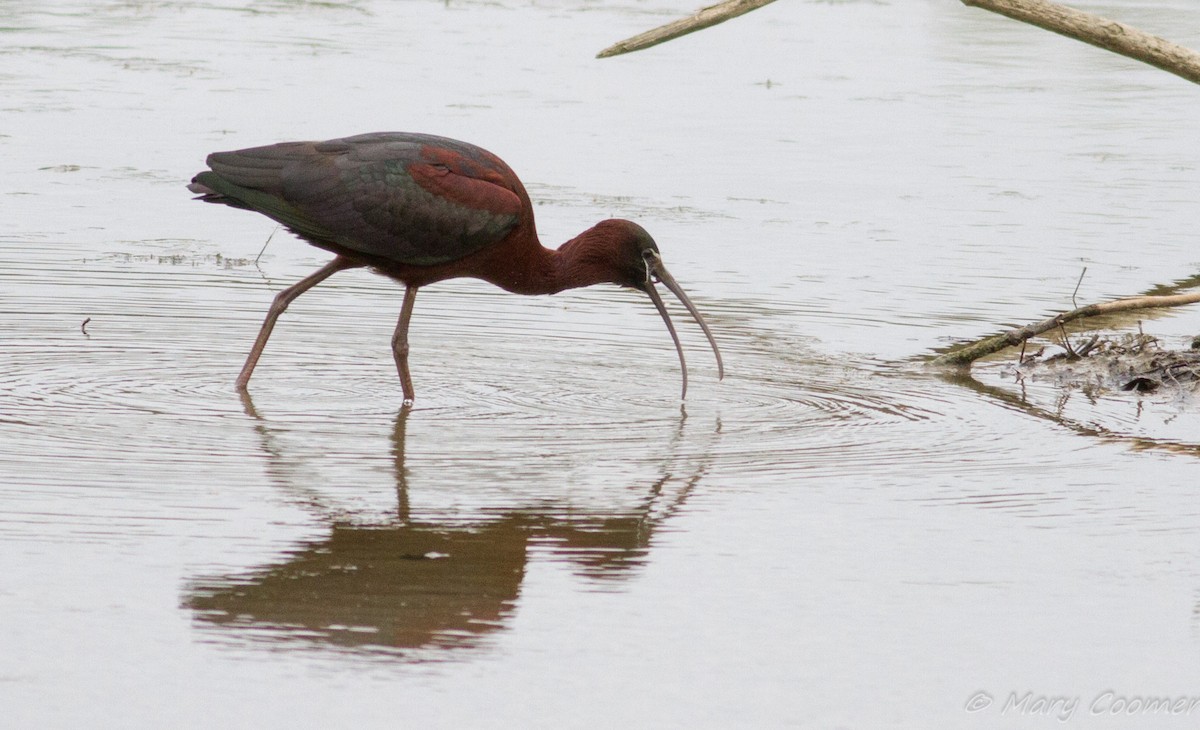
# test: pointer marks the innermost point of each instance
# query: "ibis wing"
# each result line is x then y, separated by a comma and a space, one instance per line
413, 199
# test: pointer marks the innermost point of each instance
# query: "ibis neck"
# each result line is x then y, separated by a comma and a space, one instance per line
583, 261
577, 263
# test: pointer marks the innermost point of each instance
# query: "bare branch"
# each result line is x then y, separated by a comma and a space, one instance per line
967, 354
1107, 34
704, 18
1101, 32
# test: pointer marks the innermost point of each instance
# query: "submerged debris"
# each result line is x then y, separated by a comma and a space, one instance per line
1133, 362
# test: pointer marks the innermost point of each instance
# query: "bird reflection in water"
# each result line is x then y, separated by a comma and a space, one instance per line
424, 587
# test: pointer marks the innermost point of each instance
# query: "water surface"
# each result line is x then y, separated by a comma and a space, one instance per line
833, 536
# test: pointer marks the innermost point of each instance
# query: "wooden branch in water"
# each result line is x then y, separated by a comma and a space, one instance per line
1107, 34
971, 352
704, 18
1101, 32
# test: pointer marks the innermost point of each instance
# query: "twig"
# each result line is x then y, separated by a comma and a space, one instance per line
1087, 346
1101, 32
83, 326
1066, 342
973, 351
268, 243
704, 18
1073, 302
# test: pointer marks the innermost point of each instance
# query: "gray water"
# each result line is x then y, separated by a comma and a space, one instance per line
833, 536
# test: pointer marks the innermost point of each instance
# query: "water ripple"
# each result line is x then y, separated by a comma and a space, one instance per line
591, 372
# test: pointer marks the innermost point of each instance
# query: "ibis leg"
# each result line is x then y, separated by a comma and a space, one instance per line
400, 344
281, 302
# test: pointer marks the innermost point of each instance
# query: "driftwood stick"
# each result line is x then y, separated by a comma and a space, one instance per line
1107, 34
1101, 32
704, 18
971, 352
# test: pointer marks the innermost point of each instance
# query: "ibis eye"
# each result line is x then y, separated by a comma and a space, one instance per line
648, 260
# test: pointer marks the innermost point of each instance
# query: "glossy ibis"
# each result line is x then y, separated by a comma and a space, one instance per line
420, 209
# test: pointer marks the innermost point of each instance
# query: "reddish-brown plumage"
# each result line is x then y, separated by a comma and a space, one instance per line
486, 183
421, 209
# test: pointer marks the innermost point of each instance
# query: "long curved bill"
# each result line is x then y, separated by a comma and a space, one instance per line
656, 269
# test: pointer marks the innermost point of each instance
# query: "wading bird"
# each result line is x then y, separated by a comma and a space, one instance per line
420, 209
